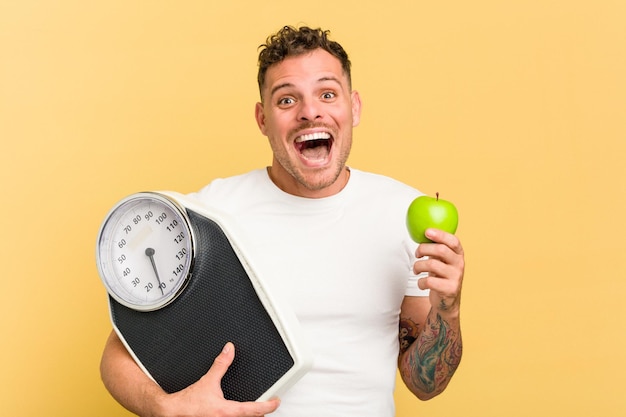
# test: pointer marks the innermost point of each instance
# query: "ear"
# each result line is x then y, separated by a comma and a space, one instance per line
356, 108
259, 115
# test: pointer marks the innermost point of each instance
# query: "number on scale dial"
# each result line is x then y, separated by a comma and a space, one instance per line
145, 251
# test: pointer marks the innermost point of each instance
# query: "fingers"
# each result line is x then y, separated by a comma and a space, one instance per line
238, 409
448, 239
443, 262
205, 396
221, 363
434, 268
268, 406
446, 248
253, 409
441, 285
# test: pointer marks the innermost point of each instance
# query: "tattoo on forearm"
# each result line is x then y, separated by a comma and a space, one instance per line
408, 334
437, 355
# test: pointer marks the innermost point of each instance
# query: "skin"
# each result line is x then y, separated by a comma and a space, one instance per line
303, 95
430, 332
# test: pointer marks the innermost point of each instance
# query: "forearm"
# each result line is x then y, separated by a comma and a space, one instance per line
126, 382
130, 386
427, 365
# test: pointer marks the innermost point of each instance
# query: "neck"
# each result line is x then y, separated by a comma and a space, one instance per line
291, 185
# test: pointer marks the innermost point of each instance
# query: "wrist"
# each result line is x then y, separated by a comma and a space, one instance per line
447, 306
447, 312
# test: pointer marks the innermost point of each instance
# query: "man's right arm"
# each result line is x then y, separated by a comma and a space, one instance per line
126, 382
134, 390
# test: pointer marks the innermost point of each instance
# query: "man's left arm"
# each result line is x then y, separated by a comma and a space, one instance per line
430, 331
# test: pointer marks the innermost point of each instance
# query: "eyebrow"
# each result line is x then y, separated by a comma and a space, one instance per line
287, 85
279, 86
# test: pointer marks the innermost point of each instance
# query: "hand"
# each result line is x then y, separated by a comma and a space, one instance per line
205, 398
444, 261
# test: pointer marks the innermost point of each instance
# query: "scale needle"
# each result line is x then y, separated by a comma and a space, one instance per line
150, 254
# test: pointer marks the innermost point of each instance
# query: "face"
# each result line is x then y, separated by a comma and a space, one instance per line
307, 113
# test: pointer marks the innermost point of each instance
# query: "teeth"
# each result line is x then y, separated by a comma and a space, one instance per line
313, 136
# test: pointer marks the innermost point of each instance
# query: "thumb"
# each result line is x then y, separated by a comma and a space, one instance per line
222, 362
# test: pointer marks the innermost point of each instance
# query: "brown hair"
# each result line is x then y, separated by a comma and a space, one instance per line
291, 41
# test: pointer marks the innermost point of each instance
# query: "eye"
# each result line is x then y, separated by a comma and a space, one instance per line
286, 101
328, 95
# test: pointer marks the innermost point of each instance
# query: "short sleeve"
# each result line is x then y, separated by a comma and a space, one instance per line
412, 290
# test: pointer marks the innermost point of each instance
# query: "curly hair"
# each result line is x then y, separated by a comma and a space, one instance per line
291, 41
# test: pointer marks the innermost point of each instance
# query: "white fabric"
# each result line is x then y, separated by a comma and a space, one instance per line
345, 264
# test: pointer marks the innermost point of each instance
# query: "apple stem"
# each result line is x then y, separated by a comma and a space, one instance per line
437, 194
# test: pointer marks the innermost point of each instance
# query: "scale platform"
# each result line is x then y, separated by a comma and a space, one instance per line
224, 301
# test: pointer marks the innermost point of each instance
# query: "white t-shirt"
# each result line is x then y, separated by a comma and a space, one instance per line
344, 264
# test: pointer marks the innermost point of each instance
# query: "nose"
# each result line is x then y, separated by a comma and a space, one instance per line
309, 110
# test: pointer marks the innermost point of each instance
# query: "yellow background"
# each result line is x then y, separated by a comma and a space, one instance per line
514, 110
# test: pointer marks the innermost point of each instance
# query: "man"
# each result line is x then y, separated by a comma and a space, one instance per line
333, 241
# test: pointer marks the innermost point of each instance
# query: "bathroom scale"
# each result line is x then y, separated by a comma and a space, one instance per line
180, 285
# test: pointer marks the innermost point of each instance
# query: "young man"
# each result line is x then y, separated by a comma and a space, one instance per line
335, 242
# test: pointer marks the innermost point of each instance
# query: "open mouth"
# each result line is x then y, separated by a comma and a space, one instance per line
314, 146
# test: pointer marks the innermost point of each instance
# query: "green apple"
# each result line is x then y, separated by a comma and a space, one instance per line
427, 212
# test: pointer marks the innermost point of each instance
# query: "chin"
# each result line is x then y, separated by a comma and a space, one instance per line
322, 179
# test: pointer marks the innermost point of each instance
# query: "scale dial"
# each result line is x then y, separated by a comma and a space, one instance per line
145, 251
